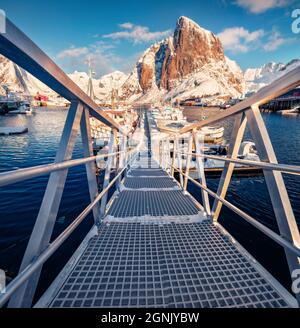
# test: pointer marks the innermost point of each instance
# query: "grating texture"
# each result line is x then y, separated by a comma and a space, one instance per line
169, 265
147, 173
145, 164
139, 183
154, 203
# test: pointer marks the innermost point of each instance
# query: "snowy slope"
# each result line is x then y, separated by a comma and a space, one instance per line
18, 80
191, 63
257, 78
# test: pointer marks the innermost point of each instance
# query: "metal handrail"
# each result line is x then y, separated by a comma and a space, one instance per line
274, 236
27, 272
11, 177
285, 168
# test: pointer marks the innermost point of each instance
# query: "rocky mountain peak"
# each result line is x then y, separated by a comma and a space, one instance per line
191, 50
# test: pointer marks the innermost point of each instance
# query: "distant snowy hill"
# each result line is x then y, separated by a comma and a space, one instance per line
103, 86
18, 80
257, 78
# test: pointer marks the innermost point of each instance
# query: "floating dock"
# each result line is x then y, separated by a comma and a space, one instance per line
10, 130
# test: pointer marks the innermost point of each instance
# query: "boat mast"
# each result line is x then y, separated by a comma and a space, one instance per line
90, 88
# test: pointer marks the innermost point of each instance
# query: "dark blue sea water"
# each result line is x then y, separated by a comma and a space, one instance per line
19, 203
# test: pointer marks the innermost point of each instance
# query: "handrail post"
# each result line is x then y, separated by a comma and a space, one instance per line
159, 154
277, 190
164, 153
85, 129
45, 221
122, 160
179, 161
188, 161
173, 158
234, 147
168, 155
109, 163
201, 172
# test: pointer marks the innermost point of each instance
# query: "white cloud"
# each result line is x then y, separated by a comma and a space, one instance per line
137, 33
275, 41
101, 54
260, 6
127, 25
73, 52
238, 39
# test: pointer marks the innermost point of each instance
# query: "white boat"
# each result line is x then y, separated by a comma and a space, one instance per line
211, 132
294, 110
247, 151
9, 130
23, 108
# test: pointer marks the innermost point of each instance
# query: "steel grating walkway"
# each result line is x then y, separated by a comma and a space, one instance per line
150, 183
166, 265
163, 264
153, 203
156, 248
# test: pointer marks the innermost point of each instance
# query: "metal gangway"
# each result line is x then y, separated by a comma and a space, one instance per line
152, 243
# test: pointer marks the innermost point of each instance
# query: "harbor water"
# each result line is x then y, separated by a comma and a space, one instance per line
19, 203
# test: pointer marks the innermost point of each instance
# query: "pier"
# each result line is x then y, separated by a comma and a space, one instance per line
152, 244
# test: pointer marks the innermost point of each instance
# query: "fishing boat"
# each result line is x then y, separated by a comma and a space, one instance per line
15, 106
293, 111
247, 151
24, 107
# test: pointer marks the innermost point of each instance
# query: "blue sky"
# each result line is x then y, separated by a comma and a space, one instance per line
115, 33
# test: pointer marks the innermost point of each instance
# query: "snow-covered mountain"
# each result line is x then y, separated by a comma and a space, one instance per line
103, 86
257, 78
18, 80
191, 63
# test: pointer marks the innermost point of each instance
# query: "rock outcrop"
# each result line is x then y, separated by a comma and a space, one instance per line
192, 56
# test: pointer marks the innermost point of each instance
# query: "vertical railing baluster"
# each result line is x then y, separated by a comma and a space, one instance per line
122, 157
201, 171
188, 161
168, 154
90, 167
179, 161
109, 163
159, 153
173, 158
234, 147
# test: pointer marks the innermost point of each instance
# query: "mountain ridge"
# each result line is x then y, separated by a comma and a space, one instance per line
188, 64
167, 66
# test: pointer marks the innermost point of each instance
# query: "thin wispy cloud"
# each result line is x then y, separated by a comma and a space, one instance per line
261, 6
276, 40
239, 39
137, 33
101, 54
73, 52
